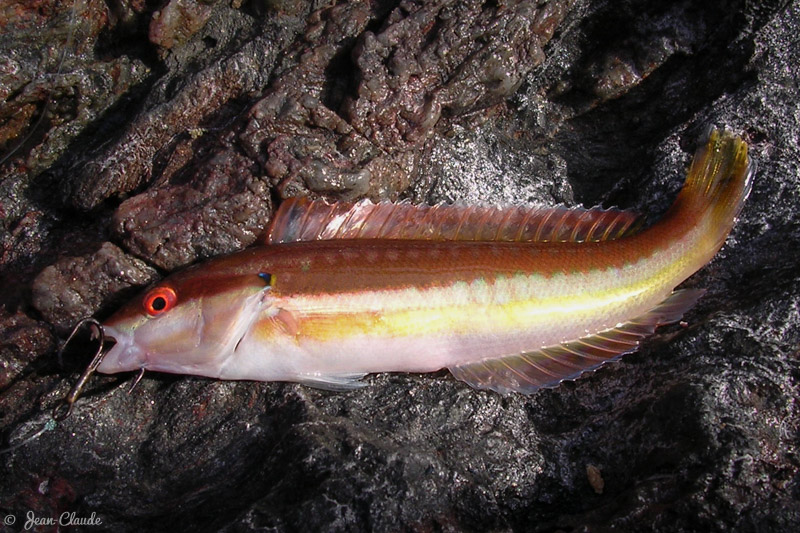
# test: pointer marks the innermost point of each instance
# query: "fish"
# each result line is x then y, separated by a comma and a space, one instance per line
508, 299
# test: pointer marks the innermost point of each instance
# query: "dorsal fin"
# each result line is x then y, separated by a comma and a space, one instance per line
549, 366
301, 219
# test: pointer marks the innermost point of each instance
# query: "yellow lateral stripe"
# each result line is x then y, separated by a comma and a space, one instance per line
501, 305
460, 319
468, 307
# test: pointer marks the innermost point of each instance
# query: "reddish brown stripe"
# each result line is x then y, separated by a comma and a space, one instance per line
353, 265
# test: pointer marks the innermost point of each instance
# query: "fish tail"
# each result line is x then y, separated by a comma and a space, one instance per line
718, 183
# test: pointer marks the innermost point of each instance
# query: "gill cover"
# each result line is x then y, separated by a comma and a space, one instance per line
190, 322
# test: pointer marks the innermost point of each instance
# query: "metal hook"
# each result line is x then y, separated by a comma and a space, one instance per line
137, 380
64, 408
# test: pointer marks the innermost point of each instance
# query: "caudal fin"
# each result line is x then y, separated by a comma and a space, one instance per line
719, 180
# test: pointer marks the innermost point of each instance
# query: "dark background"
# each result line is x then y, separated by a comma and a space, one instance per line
141, 136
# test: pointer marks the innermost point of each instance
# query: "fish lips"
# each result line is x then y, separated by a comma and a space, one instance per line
123, 355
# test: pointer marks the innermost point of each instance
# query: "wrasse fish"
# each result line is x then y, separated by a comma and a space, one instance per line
506, 299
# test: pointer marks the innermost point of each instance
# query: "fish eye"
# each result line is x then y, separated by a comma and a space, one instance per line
159, 300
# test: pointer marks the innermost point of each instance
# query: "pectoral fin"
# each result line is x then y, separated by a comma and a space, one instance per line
547, 367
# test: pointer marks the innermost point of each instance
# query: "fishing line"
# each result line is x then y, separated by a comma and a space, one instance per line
48, 426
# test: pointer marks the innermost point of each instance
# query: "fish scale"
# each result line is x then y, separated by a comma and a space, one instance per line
510, 299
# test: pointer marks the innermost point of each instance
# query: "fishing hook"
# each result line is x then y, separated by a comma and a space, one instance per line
64, 408
136, 381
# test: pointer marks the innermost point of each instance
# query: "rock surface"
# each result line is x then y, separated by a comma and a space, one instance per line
145, 141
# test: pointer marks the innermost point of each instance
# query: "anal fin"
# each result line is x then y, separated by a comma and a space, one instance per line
549, 366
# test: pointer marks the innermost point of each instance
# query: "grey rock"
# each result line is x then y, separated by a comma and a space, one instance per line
698, 430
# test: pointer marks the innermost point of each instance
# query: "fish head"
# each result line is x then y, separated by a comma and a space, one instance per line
185, 324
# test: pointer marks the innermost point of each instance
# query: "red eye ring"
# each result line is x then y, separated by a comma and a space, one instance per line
159, 300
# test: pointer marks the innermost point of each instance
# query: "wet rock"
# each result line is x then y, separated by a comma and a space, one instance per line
23, 339
183, 100
431, 58
303, 144
314, 135
52, 87
645, 44
177, 21
224, 208
76, 287
699, 430
491, 163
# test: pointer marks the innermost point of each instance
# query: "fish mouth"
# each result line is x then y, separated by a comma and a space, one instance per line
121, 352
